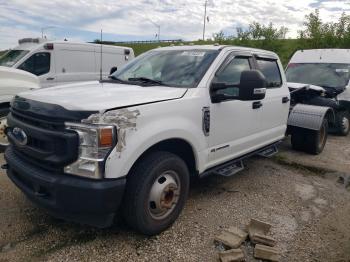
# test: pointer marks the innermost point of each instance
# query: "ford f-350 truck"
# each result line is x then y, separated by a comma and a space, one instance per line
129, 145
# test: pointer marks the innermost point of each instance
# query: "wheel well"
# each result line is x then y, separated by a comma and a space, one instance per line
179, 147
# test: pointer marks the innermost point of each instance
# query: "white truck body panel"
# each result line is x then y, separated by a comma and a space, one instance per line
336, 56
13, 81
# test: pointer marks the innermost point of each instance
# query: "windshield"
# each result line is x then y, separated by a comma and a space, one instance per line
12, 57
169, 68
322, 74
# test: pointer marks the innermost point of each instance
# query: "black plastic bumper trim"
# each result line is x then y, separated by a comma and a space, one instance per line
86, 201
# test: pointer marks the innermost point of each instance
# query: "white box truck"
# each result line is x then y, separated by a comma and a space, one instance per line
61, 62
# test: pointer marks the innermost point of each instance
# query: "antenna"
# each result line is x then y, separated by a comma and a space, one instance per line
101, 58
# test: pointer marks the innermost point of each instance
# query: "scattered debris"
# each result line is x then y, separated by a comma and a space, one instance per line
258, 231
232, 237
266, 253
344, 179
7, 247
231, 255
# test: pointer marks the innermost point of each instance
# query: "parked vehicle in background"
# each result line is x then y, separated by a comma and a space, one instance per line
133, 141
63, 62
323, 77
12, 81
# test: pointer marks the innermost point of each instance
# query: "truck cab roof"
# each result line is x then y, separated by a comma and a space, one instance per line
333, 56
30, 44
220, 47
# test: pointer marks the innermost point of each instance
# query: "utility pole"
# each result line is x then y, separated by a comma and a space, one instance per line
101, 57
205, 18
158, 27
45, 28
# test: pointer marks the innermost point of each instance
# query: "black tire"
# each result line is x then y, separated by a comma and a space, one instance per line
343, 123
138, 210
298, 139
316, 140
310, 141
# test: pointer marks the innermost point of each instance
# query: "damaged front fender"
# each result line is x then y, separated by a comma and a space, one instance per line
123, 119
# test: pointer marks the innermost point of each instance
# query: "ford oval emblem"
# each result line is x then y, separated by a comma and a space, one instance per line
20, 136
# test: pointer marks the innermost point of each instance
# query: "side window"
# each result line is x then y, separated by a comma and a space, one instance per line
38, 64
271, 71
231, 75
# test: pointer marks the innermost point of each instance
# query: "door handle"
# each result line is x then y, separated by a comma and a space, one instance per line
285, 99
50, 78
257, 105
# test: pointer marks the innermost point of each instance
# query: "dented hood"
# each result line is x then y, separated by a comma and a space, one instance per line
96, 96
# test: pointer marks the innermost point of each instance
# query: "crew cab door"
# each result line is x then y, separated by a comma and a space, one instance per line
275, 106
234, 124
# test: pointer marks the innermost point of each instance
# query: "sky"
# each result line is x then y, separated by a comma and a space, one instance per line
82, 20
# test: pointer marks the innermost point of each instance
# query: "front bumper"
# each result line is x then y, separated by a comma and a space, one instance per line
67, 197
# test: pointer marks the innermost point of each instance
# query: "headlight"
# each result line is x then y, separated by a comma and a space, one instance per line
95, 144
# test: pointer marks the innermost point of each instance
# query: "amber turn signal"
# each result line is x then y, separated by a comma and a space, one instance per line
106, 137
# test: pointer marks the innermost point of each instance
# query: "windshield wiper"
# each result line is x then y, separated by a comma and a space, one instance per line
146, 80
116, 79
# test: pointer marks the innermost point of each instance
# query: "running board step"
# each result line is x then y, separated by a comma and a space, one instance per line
230, 169
269, 152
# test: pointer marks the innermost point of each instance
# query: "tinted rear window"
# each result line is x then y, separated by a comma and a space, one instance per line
271, 71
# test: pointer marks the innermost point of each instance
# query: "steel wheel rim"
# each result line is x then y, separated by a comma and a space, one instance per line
3, 138
345, 124
164, 195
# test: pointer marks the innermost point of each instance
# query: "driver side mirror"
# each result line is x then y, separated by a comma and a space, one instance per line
113, 69
252, 87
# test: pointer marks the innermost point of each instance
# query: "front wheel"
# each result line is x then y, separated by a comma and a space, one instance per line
3, 124
156, 192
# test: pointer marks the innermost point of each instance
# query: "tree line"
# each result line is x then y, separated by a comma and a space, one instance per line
316, 34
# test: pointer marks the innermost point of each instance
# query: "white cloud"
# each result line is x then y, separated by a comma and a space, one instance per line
178, 19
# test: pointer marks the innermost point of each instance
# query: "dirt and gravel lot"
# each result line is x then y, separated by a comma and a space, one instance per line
297, 193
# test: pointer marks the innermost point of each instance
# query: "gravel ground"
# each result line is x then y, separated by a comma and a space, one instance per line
297, 193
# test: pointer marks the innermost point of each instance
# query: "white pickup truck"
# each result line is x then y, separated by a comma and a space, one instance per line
88, 151
12, 81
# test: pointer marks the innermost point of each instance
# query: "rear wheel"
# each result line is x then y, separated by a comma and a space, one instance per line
343, 123
310, 141
316, 140
156, 192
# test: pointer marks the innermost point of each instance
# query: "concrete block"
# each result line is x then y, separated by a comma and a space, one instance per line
258, 227
258, 231
231, 255
266, 253
232, 237
262, 239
